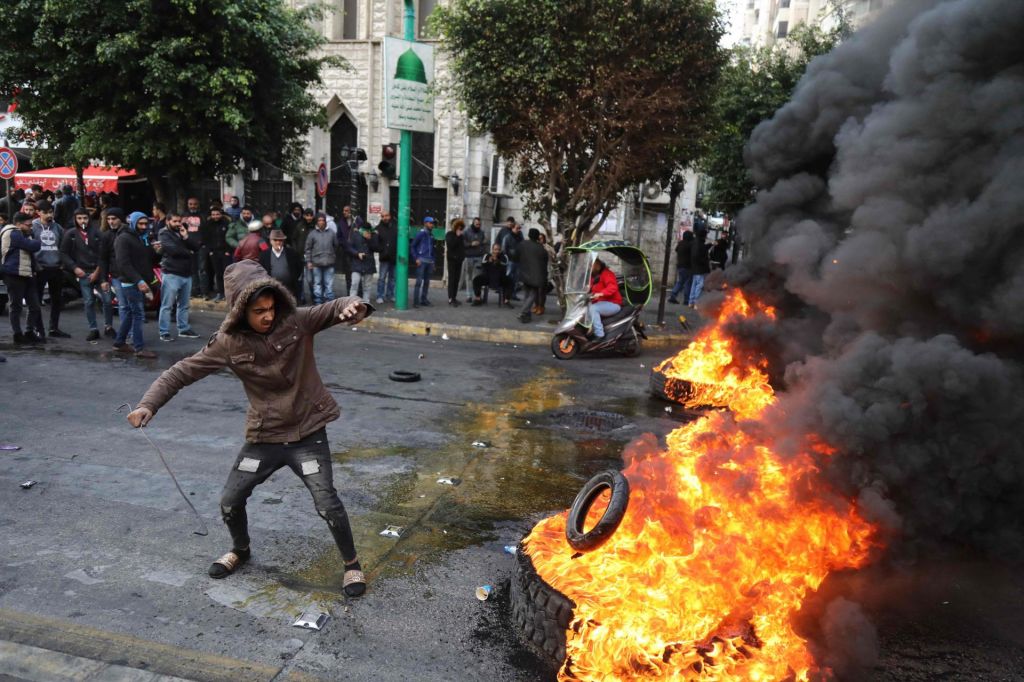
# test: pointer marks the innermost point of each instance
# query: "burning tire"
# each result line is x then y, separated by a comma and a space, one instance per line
672, 390
541, 613
609, 522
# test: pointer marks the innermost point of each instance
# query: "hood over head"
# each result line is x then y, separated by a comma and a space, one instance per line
134, 218
244, 279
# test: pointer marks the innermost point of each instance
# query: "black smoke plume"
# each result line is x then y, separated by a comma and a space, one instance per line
889, 231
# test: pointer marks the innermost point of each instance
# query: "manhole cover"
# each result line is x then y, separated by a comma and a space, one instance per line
585, 420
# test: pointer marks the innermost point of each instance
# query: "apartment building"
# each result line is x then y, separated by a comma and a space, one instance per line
455, 173
763, 22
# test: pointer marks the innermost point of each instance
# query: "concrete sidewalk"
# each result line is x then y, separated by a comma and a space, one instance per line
490, 322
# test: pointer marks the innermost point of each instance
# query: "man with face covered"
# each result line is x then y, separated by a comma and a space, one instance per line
135, 264
268, 343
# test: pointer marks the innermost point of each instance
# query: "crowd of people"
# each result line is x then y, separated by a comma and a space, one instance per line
49, 241
696, 258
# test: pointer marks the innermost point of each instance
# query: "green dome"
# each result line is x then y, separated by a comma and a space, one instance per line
410, 68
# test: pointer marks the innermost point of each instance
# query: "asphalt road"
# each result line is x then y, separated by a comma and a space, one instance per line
101, 576
102, 548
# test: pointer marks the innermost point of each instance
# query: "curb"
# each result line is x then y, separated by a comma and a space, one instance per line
523, 337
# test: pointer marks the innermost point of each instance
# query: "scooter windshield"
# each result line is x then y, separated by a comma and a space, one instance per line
577, 278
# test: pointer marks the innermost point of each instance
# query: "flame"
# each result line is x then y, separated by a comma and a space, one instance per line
722, 540
708, 373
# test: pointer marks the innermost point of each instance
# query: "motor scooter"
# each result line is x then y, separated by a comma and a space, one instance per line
624, 330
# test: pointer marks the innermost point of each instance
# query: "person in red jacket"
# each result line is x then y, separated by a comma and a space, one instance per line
605, 298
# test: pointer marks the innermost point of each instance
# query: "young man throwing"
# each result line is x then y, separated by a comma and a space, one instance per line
268, 344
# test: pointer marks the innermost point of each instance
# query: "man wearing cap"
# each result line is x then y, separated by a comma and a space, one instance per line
282, 262
422, 255
177, 246
267, 342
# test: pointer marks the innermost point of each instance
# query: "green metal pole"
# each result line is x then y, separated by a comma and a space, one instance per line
404, 189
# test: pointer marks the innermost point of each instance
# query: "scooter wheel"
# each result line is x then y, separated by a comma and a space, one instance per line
564, 346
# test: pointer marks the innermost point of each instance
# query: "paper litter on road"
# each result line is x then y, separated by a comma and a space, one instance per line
392, 532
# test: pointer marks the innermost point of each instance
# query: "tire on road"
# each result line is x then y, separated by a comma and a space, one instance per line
609, 522
403, 376
541, 614
671, 390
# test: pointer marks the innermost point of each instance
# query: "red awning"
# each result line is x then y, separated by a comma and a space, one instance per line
97, 178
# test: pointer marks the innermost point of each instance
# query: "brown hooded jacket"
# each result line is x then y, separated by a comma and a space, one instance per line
287, 398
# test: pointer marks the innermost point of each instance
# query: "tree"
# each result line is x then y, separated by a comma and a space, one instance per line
584, 97
177, 89
753, 85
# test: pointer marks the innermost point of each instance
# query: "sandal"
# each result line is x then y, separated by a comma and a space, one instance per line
354, 583
226, 565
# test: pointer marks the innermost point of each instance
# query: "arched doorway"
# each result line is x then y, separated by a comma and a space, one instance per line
341, 191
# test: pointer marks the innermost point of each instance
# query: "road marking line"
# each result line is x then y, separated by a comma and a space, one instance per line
126, 651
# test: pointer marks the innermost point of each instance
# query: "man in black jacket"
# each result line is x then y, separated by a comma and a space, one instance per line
387, 242
214, 233
177, 247
454, 255
533, 273
79, 254
684, 265
108, 269
701, 264
476, 249
135, 264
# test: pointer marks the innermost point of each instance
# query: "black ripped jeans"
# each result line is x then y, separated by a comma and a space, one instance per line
310, 459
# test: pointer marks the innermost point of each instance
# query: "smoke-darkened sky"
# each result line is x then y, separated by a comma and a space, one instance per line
889, 229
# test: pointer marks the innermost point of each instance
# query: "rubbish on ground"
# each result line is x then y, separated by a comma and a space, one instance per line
510, 549
10, 448
642, 365
668, 409
312, 620
481, 444
392, 532
444, 337
483, 592
28, 484
448, 480
422, 356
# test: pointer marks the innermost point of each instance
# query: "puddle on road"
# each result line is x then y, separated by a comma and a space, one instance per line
526, 470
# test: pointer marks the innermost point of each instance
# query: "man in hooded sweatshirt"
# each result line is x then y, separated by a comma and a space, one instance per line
268, 344
135, 264
51, 267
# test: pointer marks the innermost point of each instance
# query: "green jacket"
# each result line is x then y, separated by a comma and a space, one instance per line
237, 231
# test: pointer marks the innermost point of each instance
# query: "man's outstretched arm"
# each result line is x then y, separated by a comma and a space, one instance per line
347, 310
183, 373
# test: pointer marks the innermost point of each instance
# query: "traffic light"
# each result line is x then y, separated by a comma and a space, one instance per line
387, 164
